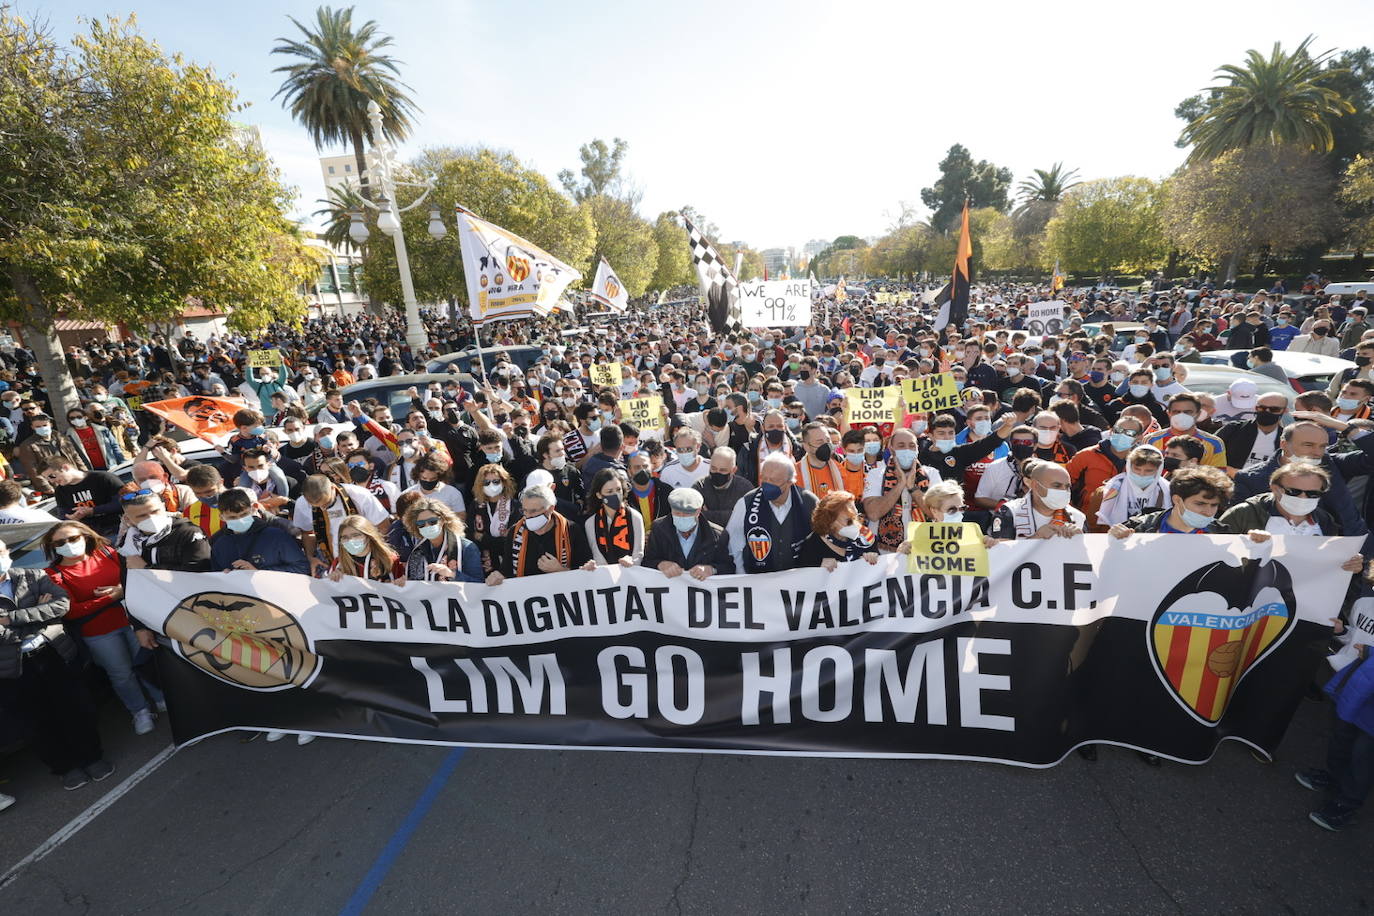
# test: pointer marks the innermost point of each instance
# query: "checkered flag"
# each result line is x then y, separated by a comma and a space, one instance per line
718, 284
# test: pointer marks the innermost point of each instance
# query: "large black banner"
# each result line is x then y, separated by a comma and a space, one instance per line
1166, 644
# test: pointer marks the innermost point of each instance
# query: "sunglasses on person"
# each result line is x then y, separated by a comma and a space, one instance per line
1272, 411
74, 539
130, 497
1310, 494
424, 522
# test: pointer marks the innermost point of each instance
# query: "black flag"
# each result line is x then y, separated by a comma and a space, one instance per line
718, 284
954, 297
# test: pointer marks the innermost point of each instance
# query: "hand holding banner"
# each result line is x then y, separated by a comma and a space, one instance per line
264, 359
929, 393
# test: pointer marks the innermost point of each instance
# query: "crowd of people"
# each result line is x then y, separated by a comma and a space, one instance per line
514, 469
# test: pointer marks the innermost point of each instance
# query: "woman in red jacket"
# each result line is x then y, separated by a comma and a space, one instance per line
85, 565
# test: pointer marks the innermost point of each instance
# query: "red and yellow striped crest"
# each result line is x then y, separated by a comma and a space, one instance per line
1204, 655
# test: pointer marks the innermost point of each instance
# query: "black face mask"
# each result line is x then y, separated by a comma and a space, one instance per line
824, 452
719, 479
1020, 452
642, 478
614, 501
359, 474
1170, 464
1266, 419
804, 375
428, 484
1362, 360
774, 436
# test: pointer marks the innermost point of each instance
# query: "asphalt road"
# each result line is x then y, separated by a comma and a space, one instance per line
339, 826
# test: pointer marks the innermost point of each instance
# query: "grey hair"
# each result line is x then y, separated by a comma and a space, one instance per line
540, 491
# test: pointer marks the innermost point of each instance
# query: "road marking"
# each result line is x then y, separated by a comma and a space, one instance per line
394, 846
85, 817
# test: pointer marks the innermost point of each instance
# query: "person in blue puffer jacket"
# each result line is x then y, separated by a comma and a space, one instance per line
1349, 772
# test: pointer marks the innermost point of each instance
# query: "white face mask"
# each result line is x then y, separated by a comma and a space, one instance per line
1301, 506
295, 438
258, 475
1055, 499
849, 532
536, 522
493, 489
155, 524
78, 422
1046, 436
157, 486
1182, 421
558, 462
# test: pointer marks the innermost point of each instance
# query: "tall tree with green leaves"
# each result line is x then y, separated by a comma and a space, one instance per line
126, 190
339, 68
1283, 99
601, 166
1047, 185
674, 265
980, 182
1276, 199
1107, 225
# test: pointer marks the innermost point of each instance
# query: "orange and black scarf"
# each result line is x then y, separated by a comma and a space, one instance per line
614, 540
562, 545
891, 529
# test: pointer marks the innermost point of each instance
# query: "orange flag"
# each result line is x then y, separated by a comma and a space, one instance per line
203, 417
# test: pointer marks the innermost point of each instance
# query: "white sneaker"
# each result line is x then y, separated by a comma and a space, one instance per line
303, 740
5, 801
275, 735
143, 721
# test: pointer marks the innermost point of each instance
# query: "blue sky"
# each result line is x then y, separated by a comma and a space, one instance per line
781, 121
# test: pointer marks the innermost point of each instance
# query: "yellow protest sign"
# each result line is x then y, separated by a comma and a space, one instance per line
264, 359
873, 405
927, 393
645, 413
943, 549
606, 375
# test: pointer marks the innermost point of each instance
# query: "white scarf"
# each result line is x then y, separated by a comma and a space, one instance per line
1122, 499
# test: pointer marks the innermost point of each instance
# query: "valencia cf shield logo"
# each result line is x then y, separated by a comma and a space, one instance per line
242, 640
1214, 626
760, 543
517, 267
484, 281
612, 287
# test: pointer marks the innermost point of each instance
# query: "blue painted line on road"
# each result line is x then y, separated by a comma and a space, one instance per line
397, 844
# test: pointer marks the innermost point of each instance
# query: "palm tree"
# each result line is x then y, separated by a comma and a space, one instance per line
336, 211
1048, 185
1280, 99
338, 71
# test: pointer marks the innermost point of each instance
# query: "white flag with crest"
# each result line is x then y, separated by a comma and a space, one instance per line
608, 290
508, 276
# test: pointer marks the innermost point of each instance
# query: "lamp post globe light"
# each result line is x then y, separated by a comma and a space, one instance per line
386, 173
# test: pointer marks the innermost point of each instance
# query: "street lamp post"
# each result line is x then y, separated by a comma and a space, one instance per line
387, 170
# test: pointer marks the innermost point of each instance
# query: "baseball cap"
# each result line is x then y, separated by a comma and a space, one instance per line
1242, 394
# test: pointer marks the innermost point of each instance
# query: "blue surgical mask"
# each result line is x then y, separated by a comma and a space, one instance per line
958, 385
257, 431
1162, 373
1195, 519
594, 424
982, 427
1139, 391
954, 518
684, 523
239, 525
1141, 481
1347, 404
430, 532
1122, 441
775, 403
906, 457
871, 449
493, 457
326, 441
793, 424
771, 491
754, 397
943, 445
